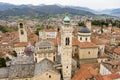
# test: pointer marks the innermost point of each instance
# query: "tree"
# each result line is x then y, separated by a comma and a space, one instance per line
38, 28
81, 24
14, 53
6, 29
8, 59
2, 62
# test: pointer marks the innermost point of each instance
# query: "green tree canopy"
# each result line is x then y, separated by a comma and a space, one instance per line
38, 28
2, 62
6, 29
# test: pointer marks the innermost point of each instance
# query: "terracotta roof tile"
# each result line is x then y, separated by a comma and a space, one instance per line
49, 30
5, 39
86, 72
75, 41
83, 44
87, 45
111, 76
21, 44
98, 41
117, 50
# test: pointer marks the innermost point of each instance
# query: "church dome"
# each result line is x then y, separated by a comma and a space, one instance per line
29, 50
66, 20
84, 29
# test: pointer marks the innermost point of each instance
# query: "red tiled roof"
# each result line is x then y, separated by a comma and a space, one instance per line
21, 44
49, 30
86, 72
117, 50
87, 45
5, 39
75, 41
98, 41
111, 76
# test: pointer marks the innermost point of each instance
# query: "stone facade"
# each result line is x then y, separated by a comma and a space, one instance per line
22, 31
66, 47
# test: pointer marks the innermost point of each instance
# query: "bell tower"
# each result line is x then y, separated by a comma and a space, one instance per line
22, 31
66, 47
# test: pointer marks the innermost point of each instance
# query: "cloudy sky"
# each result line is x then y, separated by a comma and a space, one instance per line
93, 4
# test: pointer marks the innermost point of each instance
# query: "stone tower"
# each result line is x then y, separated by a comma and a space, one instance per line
66, 47
22, 31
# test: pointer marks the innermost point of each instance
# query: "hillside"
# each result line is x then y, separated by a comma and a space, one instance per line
41, 10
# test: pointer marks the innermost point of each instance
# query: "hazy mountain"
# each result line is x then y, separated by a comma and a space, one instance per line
30, 10
43, 10
115, 12
5, 6
83, 8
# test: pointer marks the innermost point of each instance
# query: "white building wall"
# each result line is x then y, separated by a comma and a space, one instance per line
104, 70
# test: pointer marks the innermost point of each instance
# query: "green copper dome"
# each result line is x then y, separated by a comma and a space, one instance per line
66, 18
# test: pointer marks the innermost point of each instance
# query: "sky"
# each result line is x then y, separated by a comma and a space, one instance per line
93, 4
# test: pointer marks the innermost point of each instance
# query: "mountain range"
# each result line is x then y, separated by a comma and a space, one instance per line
7, 9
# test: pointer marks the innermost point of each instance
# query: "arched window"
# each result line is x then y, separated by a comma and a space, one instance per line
22, 32
80, 38
54, 58
67, 41
67, 67
49, 76
21, 25
89, 52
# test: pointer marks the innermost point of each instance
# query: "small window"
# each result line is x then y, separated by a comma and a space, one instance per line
86, 39
89, 52
80, 38
49, 76
67, 67
22, 32
67, 41
75, 49
21, 25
